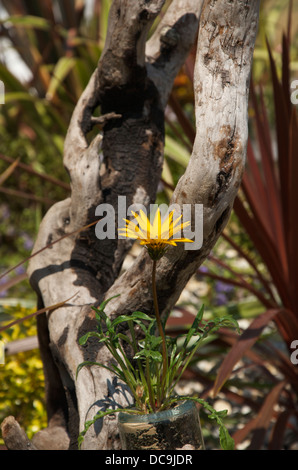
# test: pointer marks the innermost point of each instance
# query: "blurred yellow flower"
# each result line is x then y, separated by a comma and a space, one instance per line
156, 236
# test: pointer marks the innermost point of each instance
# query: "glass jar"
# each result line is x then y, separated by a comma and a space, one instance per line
175, 429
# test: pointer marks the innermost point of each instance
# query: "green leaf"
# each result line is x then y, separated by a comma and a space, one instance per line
142, 316
194, 326
10, 81
152, 341
18, 96
222, 414
105, 302
61, 70
176, 151
86, 363
226, 441
135, 317
123, 337
154, 355
27, 21
85, 337
121, 319
99, 316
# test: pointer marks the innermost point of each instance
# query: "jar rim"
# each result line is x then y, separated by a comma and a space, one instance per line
184, 407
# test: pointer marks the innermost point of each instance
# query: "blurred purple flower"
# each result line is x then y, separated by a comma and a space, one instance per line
204, 269
20, 269
222, 287
3, 293
5, 212
27, 240
221, 299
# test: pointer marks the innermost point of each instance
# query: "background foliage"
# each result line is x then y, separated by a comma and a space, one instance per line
59, 43
22, 380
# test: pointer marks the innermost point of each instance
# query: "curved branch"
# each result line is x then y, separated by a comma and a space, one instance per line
168, 47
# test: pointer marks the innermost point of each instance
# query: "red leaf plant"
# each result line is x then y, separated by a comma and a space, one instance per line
267, 208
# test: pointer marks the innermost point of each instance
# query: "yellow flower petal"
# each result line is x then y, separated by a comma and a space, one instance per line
142, 221
156, 235
155, 229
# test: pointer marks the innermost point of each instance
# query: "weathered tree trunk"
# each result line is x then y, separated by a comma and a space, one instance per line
131, 85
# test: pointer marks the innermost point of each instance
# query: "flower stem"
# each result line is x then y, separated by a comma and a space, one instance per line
160, 328
149, 386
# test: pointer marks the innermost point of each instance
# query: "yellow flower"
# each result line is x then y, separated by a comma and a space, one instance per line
156, 236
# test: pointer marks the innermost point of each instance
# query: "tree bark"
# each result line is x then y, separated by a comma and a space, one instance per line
131, 85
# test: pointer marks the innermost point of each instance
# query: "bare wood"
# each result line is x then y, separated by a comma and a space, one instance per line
167, 48
21, 345
14, 436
